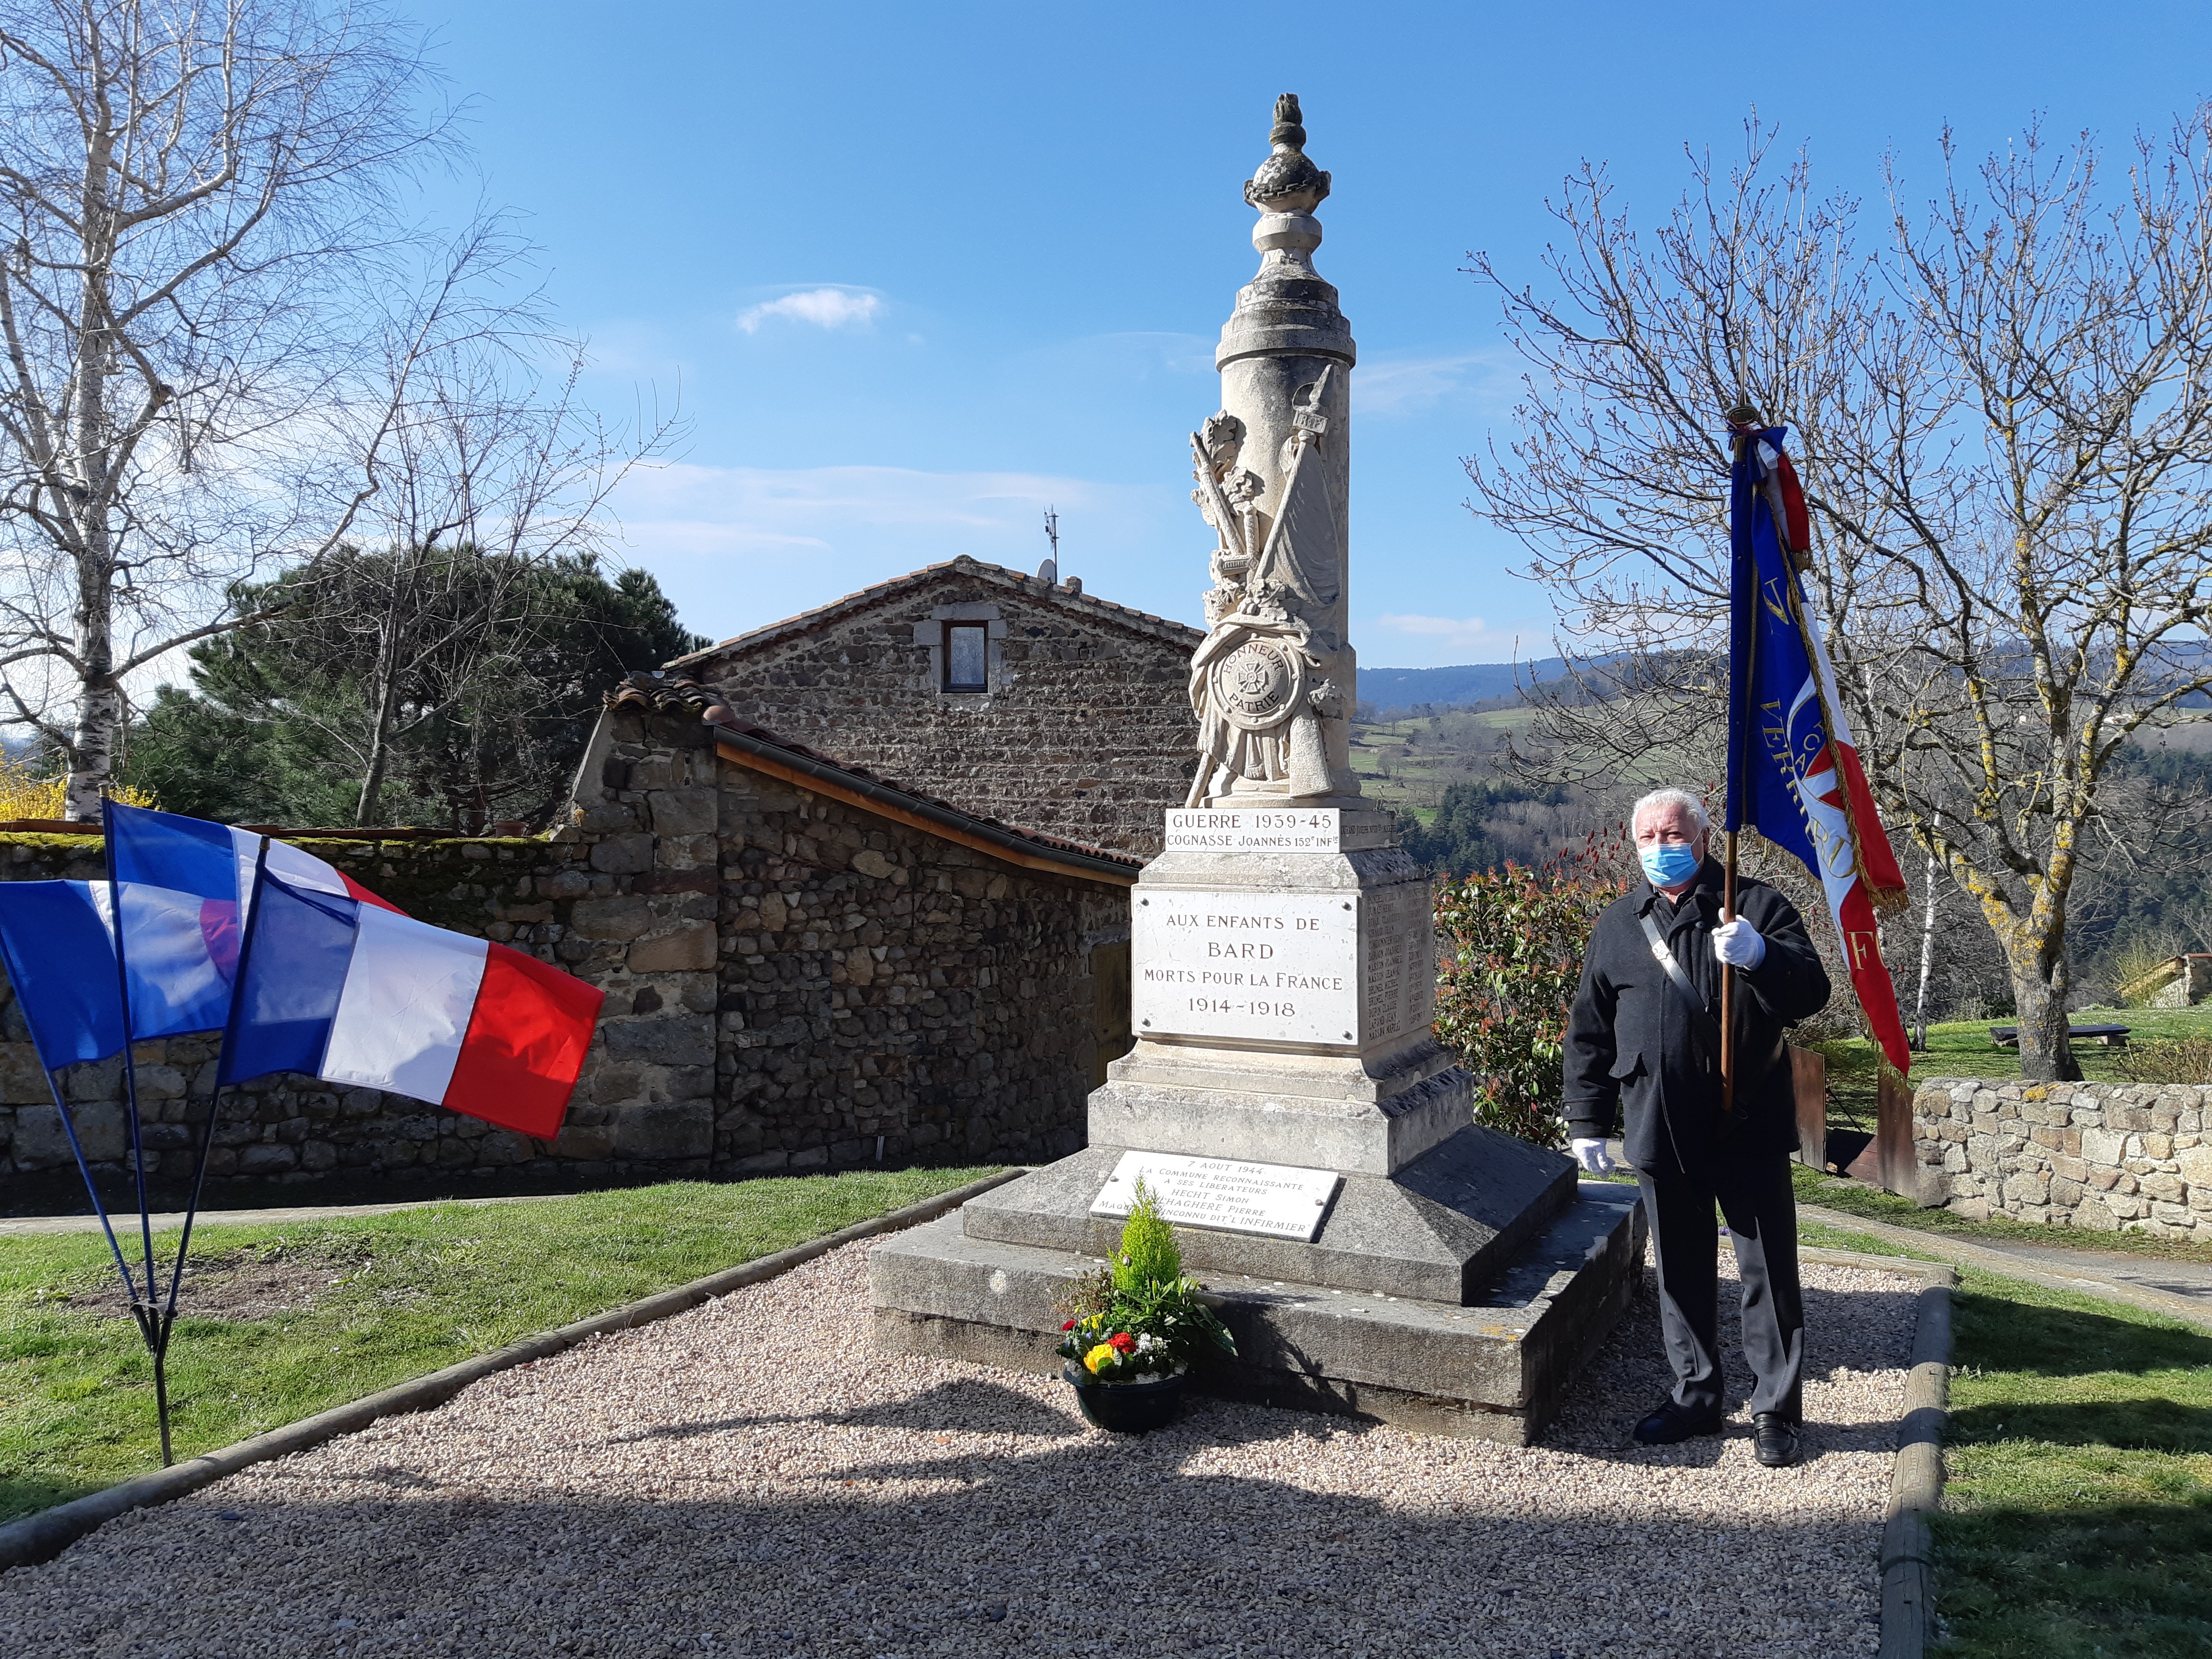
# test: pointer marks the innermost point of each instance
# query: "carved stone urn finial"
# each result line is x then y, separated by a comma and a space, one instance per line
1287, 181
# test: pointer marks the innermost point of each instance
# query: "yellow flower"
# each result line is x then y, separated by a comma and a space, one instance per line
1097, 1357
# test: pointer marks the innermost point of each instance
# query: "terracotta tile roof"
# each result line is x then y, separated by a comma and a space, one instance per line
677, 694
1013, 581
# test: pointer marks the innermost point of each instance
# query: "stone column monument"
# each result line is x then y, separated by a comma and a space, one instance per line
1286, 1098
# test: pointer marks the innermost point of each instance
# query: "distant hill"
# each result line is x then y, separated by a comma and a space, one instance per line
1474, 682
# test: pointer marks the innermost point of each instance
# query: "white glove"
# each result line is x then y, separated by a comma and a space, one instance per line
1592, 1155
1738, 943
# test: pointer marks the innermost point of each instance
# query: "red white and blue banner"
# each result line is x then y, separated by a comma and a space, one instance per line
364, 997
1794, 773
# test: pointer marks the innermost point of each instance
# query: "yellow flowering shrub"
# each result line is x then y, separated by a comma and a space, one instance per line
24, 794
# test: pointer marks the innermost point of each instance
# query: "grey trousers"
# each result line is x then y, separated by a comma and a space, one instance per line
1754, 1193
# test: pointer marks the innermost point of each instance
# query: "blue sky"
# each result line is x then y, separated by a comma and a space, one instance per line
919, 272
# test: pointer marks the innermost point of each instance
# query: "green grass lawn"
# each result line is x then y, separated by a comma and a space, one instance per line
386, 1298
2077, 1510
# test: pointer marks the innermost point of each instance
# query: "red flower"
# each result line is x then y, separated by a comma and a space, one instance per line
1069, 1326
1122, 1341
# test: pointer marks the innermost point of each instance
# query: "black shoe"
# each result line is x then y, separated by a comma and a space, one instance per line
1777, 1440
1672, 1423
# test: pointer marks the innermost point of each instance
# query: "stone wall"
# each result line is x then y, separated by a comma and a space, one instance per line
2100, 1156
1086, 731
792, 984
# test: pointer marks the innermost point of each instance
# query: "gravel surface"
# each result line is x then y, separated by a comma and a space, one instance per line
750, 1477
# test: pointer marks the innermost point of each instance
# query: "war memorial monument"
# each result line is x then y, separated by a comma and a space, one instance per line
1375, 1251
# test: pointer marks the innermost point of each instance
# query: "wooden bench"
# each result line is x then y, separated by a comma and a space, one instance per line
2112, 1036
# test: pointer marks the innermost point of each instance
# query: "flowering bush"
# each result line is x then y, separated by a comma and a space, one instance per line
1139, 1320
1513, 942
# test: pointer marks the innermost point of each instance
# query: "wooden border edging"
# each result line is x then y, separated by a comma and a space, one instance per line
42, 1536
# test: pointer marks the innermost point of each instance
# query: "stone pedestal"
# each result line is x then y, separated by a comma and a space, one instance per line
1283, 1000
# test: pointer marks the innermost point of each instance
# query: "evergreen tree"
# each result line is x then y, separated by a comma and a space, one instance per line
480, 716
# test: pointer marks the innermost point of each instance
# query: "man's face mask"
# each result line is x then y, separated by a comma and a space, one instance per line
1669, 863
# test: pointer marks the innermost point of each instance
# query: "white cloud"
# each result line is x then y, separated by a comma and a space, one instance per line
1387, 385
825, 307
1463, 635
737, 547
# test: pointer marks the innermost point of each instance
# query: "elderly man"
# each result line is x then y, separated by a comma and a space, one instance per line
1643, 1040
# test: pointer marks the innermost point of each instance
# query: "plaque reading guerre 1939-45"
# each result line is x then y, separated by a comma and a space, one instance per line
1278, 1200
1256, 829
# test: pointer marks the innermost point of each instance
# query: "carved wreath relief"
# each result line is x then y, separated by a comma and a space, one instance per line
1255, 682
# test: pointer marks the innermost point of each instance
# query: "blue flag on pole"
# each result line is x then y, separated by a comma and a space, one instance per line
1793, 770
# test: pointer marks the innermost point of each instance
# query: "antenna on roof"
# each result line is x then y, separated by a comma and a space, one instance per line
1049, 570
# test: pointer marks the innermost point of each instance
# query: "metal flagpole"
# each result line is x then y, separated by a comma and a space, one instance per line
168, 1317
145, 1312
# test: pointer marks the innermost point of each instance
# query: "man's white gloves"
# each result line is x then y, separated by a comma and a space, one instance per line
1738, 943
1592, 1154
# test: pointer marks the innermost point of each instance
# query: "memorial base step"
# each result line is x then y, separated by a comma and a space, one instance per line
1438, 1230
1496, 1369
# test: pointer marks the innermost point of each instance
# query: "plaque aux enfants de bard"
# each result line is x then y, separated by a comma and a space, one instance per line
1278, 1200
1262, 967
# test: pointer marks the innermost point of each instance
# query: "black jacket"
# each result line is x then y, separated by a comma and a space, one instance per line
1629, 1039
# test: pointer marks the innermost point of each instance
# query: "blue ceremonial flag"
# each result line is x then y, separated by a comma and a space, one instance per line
1793, 768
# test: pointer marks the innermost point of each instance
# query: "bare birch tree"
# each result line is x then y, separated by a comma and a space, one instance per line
2002, 410
200, 205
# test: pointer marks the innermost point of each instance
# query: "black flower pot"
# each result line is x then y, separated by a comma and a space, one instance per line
1125, 1408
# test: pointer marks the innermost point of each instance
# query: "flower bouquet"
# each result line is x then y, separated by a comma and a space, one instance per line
1134, 1327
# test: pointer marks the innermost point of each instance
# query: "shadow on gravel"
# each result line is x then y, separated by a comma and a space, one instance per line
972, 1404
1107, 1547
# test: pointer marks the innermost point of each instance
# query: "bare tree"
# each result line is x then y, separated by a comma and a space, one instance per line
2001, 407
482, 456
199, 204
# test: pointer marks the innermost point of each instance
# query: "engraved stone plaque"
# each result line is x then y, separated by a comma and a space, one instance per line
1255, 830
1277, 1199
1263, 967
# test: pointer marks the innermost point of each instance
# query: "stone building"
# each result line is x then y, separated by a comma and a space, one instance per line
1019, 697
806, 967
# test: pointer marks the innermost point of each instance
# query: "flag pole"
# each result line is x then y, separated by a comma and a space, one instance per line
1743, 415
147, 1314
168, 1314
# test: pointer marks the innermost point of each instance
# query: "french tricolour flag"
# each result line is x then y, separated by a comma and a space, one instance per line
337, 988
58, 940
191, 855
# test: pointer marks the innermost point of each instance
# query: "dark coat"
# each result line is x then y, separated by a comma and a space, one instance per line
1629, 1042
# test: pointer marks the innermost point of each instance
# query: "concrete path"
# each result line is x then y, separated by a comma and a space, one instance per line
39, 1226
2179, 1289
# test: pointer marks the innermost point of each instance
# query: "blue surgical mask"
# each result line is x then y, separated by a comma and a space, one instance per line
1669, 863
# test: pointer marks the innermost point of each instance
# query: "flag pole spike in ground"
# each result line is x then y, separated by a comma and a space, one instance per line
147, 1313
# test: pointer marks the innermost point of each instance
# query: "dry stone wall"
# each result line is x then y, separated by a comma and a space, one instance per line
2100, 1156
1086, 731
791, 984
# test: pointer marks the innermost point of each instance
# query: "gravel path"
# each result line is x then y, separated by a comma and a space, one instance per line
749, 1478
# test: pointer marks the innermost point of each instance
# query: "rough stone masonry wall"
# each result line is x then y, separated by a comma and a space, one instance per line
709, 1058
2100, 1156
937, 998
1086, 732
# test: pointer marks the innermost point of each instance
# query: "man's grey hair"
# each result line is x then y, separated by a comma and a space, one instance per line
1681, 797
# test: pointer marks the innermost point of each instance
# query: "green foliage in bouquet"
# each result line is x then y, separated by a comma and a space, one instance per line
1139, 1319
1513, 941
